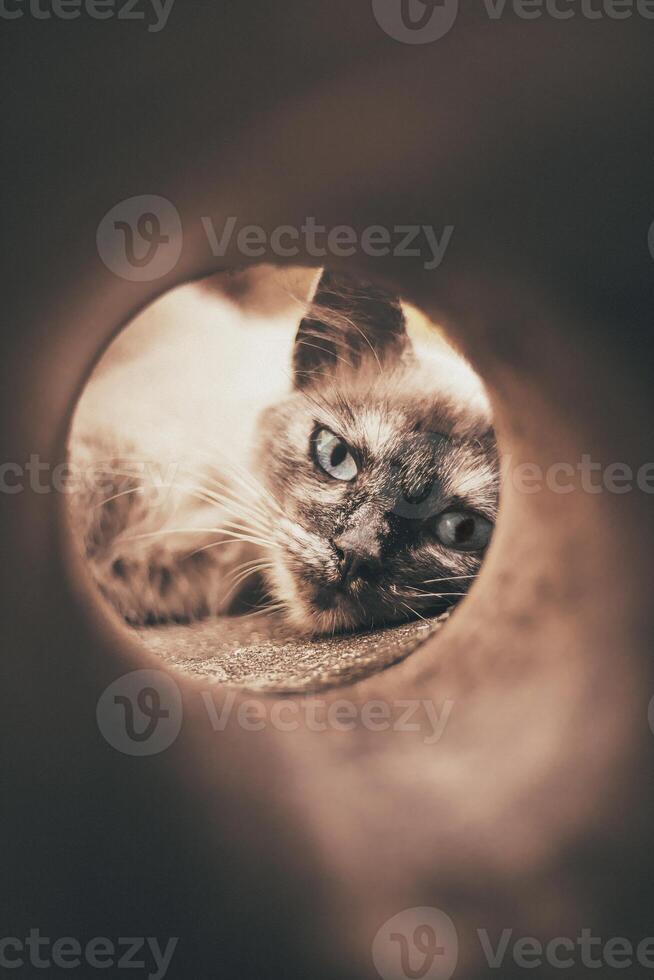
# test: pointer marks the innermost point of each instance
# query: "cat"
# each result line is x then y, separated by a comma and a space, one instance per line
370, 496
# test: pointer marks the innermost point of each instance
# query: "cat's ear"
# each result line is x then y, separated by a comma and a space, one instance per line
348, 320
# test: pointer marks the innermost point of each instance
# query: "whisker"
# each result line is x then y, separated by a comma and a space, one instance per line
267, 610
172, 530
233, 537
255, 566
117, 496
317, 402
245, 575
251, 484
342, 318
227, 495
245, 564
421, 593
325, 350
412, 610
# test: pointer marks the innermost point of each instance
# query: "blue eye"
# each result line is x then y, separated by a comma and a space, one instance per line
463, 530
334, 457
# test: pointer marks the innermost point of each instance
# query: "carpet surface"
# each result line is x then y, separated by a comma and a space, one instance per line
256, 652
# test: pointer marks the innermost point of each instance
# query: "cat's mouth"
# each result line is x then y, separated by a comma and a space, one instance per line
358, 602
337, 596
361, 602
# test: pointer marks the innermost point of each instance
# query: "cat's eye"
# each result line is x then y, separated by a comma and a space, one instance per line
333, 456
463, 530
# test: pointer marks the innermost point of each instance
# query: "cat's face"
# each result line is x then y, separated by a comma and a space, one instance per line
386, 484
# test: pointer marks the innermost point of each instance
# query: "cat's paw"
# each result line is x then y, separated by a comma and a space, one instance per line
158, 589
112, 496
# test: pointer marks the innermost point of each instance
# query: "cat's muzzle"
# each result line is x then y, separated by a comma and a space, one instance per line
355, 576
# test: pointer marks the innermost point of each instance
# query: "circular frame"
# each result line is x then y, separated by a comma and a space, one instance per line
539, 782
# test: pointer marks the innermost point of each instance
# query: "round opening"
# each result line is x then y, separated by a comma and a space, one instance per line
286, 479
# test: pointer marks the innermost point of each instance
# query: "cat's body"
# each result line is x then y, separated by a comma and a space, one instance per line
345, 509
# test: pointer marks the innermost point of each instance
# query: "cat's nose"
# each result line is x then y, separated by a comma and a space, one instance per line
355, 567
359, 555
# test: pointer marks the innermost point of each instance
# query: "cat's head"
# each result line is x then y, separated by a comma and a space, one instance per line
382, 465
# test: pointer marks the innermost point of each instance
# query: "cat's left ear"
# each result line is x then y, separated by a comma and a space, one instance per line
348, 320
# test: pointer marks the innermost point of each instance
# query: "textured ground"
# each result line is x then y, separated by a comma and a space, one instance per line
257, 654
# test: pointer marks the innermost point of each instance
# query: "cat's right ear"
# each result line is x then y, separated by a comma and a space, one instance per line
348, 320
